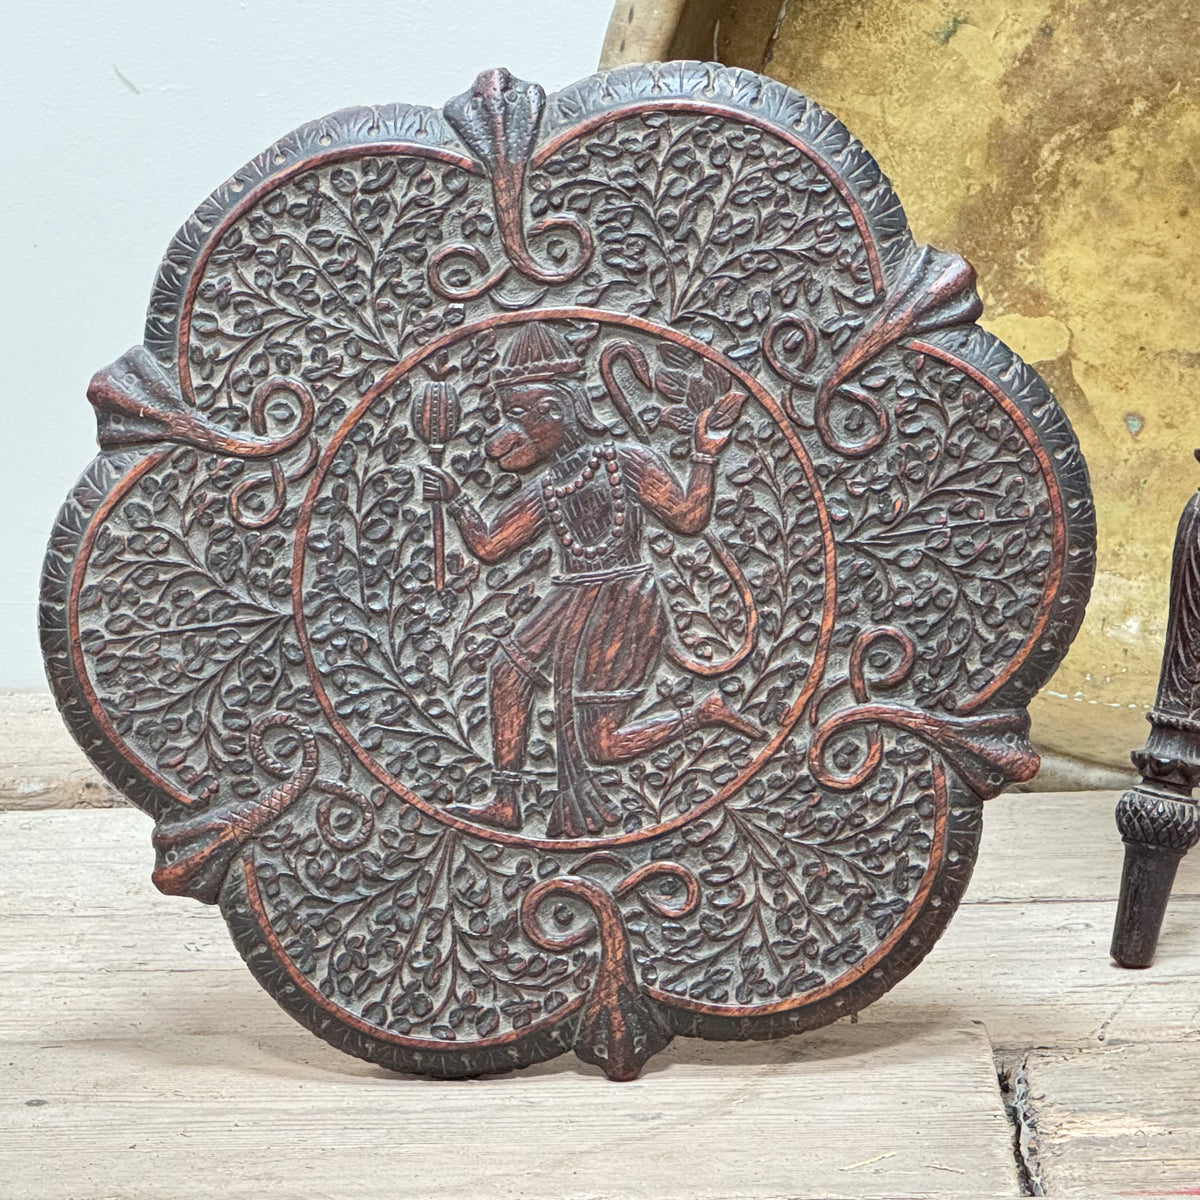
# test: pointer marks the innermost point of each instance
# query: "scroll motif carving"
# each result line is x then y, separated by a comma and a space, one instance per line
194, 853
565, 572
137, 403
499, 120
619, 1028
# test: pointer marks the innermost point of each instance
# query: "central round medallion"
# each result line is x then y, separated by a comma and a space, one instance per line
561, 580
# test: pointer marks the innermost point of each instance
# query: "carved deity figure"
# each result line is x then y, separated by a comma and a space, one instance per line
599, 630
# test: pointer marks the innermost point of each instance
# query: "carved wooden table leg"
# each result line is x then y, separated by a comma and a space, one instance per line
1159, 821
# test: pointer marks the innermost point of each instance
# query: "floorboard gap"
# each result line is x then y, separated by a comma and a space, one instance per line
1018, 1107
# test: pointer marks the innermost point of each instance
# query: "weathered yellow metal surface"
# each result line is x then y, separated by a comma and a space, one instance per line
1056, 143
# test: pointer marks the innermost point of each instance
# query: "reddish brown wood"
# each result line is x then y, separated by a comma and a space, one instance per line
436, 417
566, 571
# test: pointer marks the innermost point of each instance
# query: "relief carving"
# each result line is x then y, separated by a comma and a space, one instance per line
567, 571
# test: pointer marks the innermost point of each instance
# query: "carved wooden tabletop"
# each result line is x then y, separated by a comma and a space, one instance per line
567, 571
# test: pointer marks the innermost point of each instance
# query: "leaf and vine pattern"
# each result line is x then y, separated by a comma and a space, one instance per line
484, 721
713, 230
945, 532
325, 280
799, 886
405, 667
415, 928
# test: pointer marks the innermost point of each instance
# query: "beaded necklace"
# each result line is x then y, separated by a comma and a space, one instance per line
553, 494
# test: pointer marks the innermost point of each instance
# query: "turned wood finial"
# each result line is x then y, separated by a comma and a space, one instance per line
1158, 819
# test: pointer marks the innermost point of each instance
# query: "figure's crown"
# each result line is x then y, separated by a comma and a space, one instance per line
537, 352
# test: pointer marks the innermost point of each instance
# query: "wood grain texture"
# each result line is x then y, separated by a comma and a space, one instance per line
1026, 953
640, 31
160, 1062
1123, 1119
282, 1114
154, 1061
157, 1061
40, 764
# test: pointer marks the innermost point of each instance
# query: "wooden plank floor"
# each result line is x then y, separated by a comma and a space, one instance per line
1124, 1118
139, 1059
40, 764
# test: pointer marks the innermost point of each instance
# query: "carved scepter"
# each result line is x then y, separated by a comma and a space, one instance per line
436, 415
1158, 819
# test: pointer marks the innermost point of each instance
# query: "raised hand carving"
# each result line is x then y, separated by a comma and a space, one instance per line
194, 852
619, 1028
933, 290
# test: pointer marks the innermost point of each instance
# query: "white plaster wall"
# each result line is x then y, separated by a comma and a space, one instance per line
119, 117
